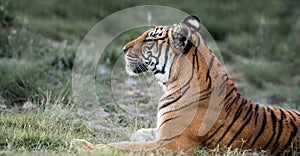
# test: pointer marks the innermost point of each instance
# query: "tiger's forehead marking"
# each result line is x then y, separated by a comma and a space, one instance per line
157, 32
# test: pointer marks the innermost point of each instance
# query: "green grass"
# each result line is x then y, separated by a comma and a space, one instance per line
259, 41
48, 127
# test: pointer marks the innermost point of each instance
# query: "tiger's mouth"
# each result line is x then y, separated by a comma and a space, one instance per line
135, 68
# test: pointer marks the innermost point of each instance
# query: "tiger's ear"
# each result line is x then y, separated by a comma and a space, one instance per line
181, 33
180, 36
193, 22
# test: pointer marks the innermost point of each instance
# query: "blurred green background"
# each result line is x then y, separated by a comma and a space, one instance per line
259, 42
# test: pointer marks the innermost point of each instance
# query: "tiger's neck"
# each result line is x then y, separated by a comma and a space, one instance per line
202, 70
203, 85
211, 75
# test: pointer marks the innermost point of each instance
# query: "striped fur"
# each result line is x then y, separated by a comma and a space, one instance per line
201, 106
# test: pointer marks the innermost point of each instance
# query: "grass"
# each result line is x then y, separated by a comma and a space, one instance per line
49, 127
259, 41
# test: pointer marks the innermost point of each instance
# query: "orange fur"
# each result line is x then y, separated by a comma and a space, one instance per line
201, 106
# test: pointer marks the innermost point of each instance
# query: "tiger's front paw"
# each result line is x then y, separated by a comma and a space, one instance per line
144, 135
82, 145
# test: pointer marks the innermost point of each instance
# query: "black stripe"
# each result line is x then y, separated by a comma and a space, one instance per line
167, 120
211, 62
262, 128
171, 68
149, 40
241, 128
224, 84
227, 110
186, 84
228, 105
230, 92
236, 116
297, 113
158, 46
248, 112
173, 93
196, 52
200, 39
172, 87
244, 101
159, 49
222, 87
168, 41
206, 94
224, 76
256, 108
280, 127
256, 117
188, 46
274, 120
214, 133
256, 114
132, 59
171, 102
151, 46
147, 51
209, 82
166, 59
205, 44
291, 115
292, 135
208, 86
202, 93
226, 100
187, 105
283, 115
209, 145
208, 77
172, 138
196, 56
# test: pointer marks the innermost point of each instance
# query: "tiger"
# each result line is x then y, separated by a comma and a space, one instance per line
201, 106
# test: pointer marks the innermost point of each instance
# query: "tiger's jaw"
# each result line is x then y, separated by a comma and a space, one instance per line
134, 67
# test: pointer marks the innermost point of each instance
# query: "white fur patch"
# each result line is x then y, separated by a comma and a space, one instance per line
128, 68
194, 22
144, 135
164, 78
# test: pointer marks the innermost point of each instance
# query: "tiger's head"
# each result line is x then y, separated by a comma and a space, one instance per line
157, 48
